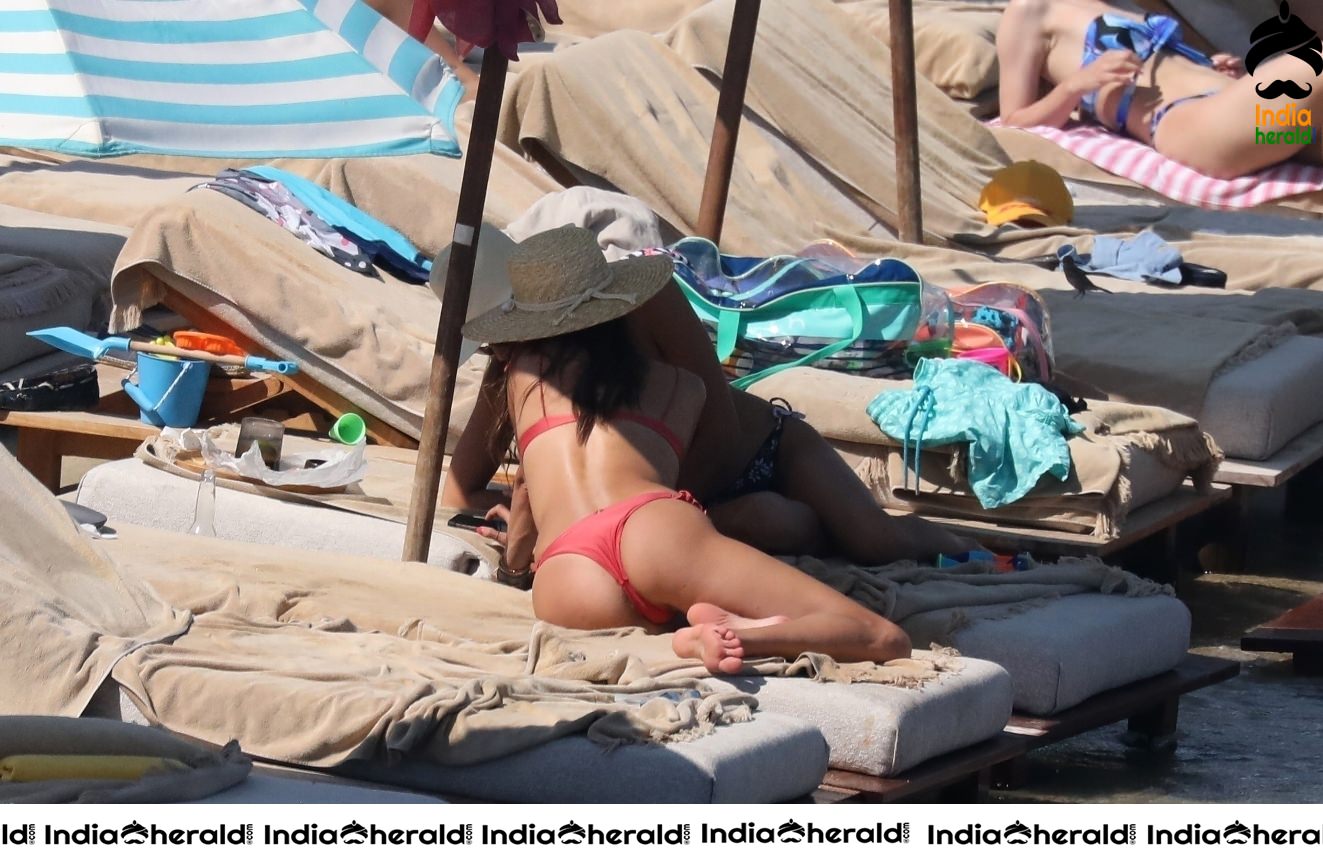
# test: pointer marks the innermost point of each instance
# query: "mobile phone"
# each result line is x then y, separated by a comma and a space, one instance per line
473, 521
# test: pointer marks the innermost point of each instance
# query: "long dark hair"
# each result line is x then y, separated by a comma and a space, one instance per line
611, 372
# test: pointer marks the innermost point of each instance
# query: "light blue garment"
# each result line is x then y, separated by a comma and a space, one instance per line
380, 240
1145, 257
233, 79
1016, 431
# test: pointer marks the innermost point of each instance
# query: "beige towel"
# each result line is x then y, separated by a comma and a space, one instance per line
315, 660
69, 614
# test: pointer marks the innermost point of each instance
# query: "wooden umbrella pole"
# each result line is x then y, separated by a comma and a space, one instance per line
906, 119
454, 306
730, 107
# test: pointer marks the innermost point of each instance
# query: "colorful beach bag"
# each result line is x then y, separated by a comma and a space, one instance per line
766, 315
999, 323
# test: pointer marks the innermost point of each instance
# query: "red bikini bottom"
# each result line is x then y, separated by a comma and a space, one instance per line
597, 537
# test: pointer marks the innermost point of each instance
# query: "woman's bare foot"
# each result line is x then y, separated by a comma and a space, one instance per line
710, 614
717, 646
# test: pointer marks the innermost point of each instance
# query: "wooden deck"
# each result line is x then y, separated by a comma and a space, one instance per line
1298, 631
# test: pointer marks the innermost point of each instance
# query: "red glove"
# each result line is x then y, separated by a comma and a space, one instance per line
503, 23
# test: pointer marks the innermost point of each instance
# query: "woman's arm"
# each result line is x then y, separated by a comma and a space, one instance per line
398, 12
1022, 54
475, 461
667, 329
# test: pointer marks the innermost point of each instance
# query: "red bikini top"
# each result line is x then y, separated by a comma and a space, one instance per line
657, 426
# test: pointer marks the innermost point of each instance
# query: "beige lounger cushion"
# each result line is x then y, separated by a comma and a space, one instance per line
130, 491
771, 758
1065, 651
883, 731
1254, 409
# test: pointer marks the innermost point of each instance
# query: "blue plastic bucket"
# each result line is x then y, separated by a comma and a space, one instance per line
168, 393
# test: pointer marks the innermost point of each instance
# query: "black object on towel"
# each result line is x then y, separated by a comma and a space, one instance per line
1194, 275
73, 388
81, 514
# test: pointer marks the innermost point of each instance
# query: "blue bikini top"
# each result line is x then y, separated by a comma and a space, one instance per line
1143, 38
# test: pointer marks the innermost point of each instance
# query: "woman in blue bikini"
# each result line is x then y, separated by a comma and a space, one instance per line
1135, 74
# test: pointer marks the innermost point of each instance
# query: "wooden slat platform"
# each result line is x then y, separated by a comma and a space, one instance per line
1296, 456
960, 776
1298, 631
1148, 521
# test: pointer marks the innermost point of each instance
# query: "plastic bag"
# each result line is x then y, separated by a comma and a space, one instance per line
344, 465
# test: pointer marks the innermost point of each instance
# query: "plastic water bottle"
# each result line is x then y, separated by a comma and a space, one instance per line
204, 513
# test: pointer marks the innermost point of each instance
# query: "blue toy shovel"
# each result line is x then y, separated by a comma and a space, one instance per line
81, 344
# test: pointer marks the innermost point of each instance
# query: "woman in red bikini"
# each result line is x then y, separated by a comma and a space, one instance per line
765, 476
602, 431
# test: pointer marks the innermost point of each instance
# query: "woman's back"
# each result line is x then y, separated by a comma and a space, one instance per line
630, 452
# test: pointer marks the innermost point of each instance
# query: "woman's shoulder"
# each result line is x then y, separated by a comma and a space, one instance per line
1021, 18
1026, 8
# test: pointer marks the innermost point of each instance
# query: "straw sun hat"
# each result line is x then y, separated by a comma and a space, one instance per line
561, 283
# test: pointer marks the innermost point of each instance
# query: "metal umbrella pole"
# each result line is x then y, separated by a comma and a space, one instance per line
454, 305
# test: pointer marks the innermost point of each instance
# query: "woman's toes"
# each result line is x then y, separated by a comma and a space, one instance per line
730, 664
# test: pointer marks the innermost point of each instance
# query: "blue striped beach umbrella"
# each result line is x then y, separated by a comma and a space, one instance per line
219, 78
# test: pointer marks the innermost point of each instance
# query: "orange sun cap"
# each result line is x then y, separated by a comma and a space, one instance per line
1027, 191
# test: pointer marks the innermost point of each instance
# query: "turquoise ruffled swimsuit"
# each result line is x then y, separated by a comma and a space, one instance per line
1143, 39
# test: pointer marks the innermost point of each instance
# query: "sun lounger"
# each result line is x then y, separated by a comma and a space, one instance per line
772, 758
1130, 457
1223, 359
872, 730
200, 776
291, 788
332, 602
130, 491
888, 745
53, 272
1145, 166
1068, 650
1057, 655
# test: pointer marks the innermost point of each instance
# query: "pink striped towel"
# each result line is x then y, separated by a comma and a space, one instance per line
1135, 161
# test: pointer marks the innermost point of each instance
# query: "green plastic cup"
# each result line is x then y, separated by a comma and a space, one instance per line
349, 429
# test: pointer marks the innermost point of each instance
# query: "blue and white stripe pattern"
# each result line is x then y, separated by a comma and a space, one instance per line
222, 78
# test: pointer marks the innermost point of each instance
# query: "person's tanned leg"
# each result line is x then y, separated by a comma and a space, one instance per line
811, 472
674, 557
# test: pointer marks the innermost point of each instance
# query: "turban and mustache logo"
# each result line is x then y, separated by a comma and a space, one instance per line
1284, 34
